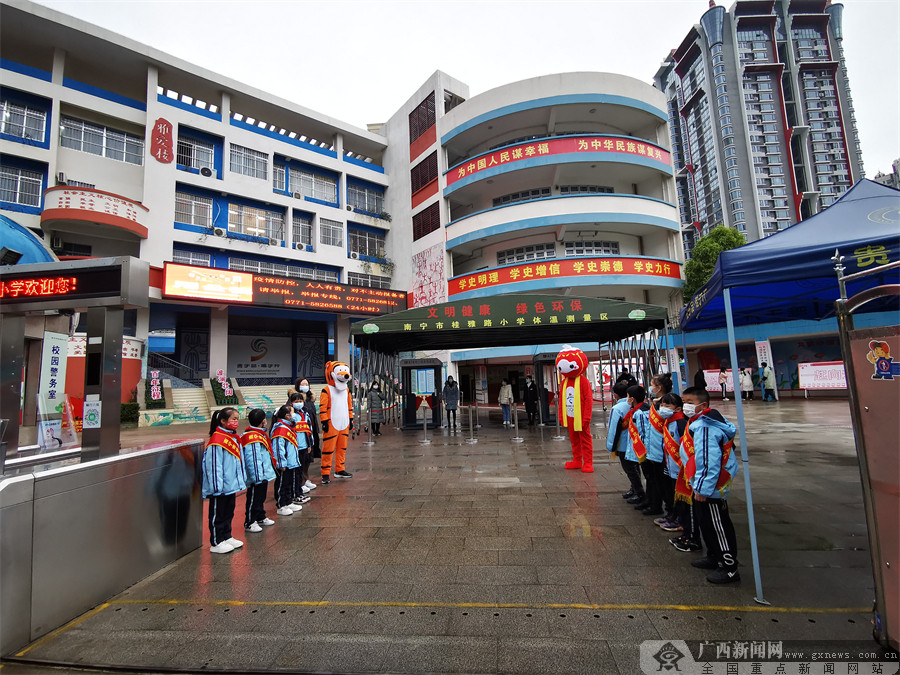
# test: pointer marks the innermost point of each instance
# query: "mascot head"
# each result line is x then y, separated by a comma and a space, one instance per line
337, 374
571, 362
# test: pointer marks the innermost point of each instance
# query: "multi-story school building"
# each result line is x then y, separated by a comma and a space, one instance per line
559, 184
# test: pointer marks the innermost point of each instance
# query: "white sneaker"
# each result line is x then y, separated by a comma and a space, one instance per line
295, 507
305, 489
224, 547
310, 485
285, 511
266, 522
236, 543
253, 527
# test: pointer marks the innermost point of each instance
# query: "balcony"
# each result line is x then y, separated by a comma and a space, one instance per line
94, 213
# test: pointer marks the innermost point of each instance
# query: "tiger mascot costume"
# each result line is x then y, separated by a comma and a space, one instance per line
576, 402
336, 416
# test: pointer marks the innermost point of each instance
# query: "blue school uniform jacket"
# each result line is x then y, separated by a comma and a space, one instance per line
257, 457
283, 450
304, 440
618, 411
711, 432
222, 465
642, 421
676, 428
653, 439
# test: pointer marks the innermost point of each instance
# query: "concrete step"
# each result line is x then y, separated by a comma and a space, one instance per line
190, 405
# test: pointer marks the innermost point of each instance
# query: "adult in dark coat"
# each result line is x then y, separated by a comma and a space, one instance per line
531, 400
375, 399
450, 398
700, 379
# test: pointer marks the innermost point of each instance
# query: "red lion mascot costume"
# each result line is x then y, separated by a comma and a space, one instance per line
336, 416
576, 401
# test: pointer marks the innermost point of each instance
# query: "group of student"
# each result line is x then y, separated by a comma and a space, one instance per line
685, 451
279, 452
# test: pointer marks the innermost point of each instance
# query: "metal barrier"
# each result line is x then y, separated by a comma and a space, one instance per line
127, 516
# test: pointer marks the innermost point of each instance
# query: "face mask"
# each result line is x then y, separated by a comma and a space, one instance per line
689, 409
298, 406
303, 388
666, 413
654, 391
232, 425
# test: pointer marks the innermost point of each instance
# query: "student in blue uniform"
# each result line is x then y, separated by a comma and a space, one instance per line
617, 441
258, 469
651, 422
223, 478
710, 466
287, 460
636, 427
304, 447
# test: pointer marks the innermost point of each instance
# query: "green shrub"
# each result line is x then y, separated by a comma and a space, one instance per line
129, 412
149, 403
219, 393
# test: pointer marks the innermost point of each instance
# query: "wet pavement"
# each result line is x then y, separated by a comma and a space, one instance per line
491, 558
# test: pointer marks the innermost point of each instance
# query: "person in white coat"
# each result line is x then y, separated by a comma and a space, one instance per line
746, 384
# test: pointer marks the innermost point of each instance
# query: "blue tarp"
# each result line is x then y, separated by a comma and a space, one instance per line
790, 276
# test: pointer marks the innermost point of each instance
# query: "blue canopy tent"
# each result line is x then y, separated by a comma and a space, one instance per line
790, 276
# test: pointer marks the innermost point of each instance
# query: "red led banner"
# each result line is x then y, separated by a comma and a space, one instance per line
558, 146
204, 283
74, 285
567, 267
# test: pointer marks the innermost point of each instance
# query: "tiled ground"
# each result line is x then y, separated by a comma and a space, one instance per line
491, 558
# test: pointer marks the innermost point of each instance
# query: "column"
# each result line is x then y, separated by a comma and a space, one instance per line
218, 340
342, 339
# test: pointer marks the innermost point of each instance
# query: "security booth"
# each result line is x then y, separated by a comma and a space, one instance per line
546, 382
421, 380
103, 288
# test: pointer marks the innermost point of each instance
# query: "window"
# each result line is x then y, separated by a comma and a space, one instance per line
255, 222
525, 253
366, 243
281, 269
23, 121
194, 153
191, 258
422, 118
313, 185
331, 232
365, 199
426, 221
279, 177
574, 248
522, 196
193, 210
590, 189
249, 162
424, 172
302, 230
99, 140
368, 280
20, 186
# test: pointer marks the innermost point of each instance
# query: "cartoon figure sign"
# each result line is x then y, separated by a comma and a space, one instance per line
880, 356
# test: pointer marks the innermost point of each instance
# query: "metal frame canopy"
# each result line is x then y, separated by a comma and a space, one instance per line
507, 321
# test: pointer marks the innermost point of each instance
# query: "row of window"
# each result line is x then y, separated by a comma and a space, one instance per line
544, 251
20, 186
100, 140
256, 222
23, 121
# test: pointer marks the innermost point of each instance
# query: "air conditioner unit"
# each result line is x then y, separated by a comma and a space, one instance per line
220, 232
349, 208
61, 178
297, 195
206, 172
56, 242
274, 242
354, 255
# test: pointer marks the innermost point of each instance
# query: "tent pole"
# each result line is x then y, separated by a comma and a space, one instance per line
687, 368
745, 459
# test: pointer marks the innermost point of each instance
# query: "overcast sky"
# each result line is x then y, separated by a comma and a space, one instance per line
358, 61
